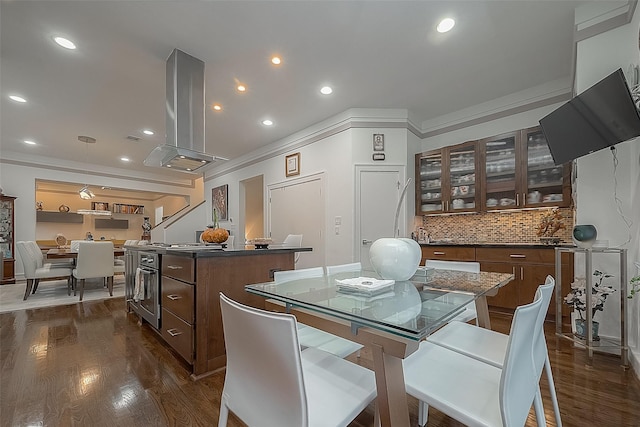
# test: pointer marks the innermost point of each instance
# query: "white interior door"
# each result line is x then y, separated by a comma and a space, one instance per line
298, 207
378, 189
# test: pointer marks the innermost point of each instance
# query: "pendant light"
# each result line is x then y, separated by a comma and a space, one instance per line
85, 193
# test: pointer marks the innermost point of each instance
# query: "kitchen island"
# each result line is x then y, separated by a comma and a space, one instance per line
191, 278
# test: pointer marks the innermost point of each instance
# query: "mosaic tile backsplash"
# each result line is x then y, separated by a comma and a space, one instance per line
493, 227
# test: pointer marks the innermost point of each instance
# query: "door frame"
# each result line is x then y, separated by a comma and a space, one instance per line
358, 169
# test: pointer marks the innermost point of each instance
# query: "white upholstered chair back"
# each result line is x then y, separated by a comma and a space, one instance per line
343, 268
95, 259
304, 273
293, 241
29, 262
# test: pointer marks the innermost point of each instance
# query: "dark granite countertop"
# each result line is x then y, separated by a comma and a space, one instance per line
497, 245
214, 251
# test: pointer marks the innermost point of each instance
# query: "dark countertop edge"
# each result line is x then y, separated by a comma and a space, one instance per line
207, 253
500, 245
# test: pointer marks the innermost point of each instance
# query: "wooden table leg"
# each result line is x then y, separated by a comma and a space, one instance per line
392, 395
482, 311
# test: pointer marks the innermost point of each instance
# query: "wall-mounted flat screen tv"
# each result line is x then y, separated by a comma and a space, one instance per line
599, 117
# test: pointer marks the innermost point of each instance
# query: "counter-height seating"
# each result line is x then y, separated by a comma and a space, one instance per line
476, 393
287, 388
36, 270
312, 337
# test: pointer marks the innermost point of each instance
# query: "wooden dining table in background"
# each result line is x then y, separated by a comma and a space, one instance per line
67, 253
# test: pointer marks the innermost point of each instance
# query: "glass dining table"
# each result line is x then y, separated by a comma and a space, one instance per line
390, 323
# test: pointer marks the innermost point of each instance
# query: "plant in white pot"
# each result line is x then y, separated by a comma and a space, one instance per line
577, 298
395, 257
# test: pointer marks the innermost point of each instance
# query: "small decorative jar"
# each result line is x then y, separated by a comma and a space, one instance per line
584, 235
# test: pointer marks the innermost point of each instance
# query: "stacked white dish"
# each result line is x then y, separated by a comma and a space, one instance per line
365, 286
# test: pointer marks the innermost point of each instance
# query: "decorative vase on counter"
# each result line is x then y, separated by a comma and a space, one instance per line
395, 258
585, 235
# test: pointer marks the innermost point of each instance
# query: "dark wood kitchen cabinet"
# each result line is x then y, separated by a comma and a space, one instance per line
7, 240
446, 180
530, 268
191, 286
517, 171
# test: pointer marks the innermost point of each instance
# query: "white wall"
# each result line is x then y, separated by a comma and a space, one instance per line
335, 153
597, 57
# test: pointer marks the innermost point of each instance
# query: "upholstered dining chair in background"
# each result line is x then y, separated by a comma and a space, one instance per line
313, 337
476, 393
285, 387
35, 270
490, 346
95, 259
469, 312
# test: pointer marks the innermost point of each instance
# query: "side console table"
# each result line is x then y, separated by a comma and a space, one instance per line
605, 344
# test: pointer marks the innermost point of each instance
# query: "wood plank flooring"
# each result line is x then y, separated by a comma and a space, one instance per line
91, 364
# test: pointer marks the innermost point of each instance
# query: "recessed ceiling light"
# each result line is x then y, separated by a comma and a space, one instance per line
125, 159
29, 142
326, 90
147, 132
445, 25
66, 43
17, 98
241, 88
276, 60
267, 122
217, 107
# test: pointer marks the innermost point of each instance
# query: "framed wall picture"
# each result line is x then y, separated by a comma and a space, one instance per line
220, 202
292, 164
378, 142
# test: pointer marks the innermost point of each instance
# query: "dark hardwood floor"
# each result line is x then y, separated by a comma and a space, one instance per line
91, 364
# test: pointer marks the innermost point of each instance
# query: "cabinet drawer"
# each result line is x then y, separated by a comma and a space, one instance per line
181, 268
450, 253
177, 297
516, 255
178, 334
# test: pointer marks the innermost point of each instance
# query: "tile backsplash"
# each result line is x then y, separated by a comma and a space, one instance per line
493, 227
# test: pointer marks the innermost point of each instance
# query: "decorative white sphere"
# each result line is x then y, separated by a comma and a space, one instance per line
395, 258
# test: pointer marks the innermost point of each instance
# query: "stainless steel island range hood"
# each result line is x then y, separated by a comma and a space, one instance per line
184, 149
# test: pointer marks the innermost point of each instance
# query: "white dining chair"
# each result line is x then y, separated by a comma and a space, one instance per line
293, 241
35, 270
309, 336
95, 259
476, 393
34, 248
285, 387
490, 346
469, 313
343, 268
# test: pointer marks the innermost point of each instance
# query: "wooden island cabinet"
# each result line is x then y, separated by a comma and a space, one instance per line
530, 264
192, 279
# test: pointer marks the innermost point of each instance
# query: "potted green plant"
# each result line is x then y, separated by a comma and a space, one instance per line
577, 298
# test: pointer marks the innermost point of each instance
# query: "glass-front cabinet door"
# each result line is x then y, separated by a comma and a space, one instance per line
544, 183
7, 239
462, 184
429, 186
500, 167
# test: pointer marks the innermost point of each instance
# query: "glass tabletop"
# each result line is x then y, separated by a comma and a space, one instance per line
411, 309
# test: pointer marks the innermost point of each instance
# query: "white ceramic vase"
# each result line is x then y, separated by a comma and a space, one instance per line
395, 258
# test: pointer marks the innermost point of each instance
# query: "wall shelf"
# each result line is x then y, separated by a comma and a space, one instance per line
607, 345
52, 216
127, 209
